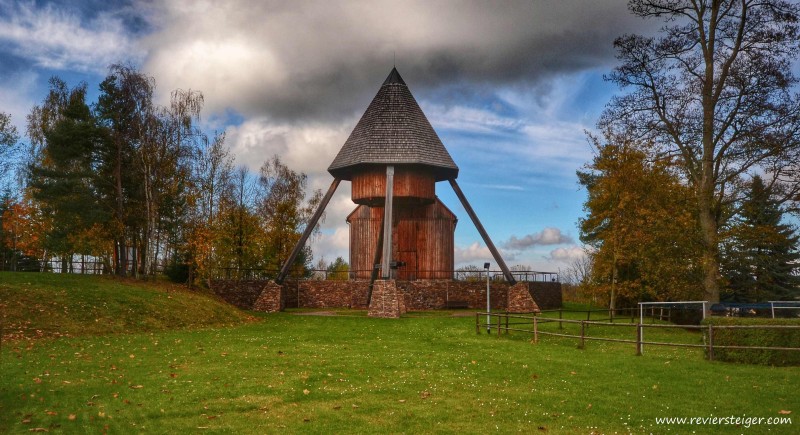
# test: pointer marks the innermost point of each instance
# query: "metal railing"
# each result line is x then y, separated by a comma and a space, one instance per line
400, 274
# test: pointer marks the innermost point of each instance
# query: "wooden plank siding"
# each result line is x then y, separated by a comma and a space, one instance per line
412, 184
423, 238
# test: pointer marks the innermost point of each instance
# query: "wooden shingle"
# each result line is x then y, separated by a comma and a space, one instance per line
393, 130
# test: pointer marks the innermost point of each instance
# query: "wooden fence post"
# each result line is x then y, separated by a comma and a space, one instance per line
506, 323
477, 323
535, 331
583, 332
560, 316
638, 339
710, 342
499, 319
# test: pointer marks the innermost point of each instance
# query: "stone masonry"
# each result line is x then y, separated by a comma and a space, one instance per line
520, 299
271, 298
387, 300
416, 295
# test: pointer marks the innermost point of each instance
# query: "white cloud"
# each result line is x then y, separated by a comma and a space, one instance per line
548, 236
57, 38
567, 254
329, 245
478, 254
472, 253
15, 97
307, 148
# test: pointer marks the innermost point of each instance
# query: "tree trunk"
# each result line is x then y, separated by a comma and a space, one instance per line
705, 191
709, 231
122, 258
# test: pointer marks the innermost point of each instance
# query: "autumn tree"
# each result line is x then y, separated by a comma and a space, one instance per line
211, 188
286, 212
147, 164
125, 108
338, 270
761, 253
239, 236
712, 91
64, 180
22, 226
640, 225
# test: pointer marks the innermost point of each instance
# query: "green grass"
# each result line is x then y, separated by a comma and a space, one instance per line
424, 373
36, 305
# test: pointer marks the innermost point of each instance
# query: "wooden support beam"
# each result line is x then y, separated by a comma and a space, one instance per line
307, 232
387, 225
482, 231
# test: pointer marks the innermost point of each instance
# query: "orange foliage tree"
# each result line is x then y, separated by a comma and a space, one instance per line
642, 225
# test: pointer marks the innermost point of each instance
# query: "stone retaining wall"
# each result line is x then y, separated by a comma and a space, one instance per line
547, 295
242, 293
418, 295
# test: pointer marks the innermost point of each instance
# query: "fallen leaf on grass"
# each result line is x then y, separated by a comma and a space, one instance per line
306, 392
38, 429
136, 387
72, 417
51, 413
784, 412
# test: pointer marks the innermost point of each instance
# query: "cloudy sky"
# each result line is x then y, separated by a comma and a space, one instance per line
510, 87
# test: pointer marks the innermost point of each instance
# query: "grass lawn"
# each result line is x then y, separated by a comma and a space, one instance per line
352, 374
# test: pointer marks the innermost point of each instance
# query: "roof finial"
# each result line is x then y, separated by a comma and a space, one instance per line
394, 61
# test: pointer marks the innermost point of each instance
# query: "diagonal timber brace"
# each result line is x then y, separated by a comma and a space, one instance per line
307, 232
482, 231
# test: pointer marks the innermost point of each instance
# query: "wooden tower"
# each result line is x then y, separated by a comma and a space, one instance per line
393, 158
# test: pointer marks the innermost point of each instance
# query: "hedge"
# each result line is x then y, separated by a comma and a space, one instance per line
773, 337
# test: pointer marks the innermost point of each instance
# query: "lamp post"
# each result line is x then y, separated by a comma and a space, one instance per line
488, 305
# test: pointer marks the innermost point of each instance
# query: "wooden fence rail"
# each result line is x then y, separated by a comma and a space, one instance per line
506, 322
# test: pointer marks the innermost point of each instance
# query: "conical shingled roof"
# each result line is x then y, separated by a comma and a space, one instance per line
393, 131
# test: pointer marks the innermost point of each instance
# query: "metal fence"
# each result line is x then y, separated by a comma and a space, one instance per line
322, 274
